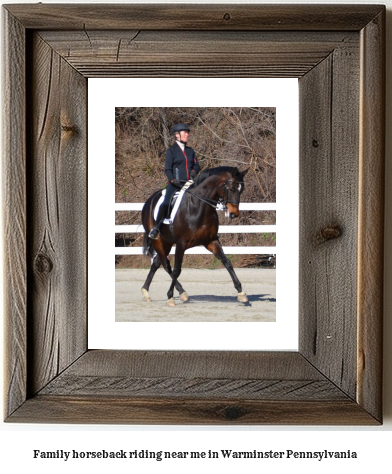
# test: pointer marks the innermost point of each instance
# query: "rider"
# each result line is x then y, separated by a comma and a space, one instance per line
180, 165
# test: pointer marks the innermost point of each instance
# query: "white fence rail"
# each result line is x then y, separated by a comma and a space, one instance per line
223, 229
244, 206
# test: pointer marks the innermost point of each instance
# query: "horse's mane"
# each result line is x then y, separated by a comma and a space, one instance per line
214, 171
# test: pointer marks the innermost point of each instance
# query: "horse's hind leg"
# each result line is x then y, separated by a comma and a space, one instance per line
159, 259
216, 248
175, 274
156, 263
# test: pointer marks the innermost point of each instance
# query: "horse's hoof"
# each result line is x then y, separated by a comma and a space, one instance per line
146, 296
242, 298
184, 296
171, 302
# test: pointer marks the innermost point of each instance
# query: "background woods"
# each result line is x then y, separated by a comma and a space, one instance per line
233, 136
243, 137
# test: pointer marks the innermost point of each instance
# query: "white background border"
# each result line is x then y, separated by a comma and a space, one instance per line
104, 332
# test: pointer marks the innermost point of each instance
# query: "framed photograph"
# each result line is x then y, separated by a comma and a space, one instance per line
262, 139
53, 374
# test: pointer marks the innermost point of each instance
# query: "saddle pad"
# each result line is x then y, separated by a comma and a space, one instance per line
180, 195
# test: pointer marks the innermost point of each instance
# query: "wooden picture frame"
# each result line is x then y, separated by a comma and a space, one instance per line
338, 54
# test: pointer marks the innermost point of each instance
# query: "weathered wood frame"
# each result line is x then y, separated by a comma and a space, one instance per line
337, 52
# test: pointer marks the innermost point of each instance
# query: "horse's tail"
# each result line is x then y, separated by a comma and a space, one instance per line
147, 245
148, 220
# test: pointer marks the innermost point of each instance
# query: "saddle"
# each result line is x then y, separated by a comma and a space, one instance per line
174, 203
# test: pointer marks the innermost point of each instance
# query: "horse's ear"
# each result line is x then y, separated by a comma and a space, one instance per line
244, 172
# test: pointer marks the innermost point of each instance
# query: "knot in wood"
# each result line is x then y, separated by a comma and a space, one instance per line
227, 16
68, 129
232, 413
328, 233
315, 143
43, 264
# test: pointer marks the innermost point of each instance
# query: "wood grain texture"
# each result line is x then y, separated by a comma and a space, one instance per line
371, 216
205, 374
209, 364
328, 216
202, 53
253, 375
14, 211
193, 17
192, 387
102, 409
57, 206
335, 378
201, 387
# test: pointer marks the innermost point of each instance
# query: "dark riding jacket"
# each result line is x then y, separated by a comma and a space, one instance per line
179, 165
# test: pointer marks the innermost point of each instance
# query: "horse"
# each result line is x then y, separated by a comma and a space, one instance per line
196, 223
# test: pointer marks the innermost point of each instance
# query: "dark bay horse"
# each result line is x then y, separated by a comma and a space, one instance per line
196, 223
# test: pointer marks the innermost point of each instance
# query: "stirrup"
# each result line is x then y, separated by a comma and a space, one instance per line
154, 233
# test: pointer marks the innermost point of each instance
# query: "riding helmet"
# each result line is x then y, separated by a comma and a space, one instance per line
179, 127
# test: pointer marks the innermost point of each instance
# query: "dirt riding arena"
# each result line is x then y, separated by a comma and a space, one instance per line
212, 296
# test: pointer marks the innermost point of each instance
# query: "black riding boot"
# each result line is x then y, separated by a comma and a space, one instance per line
170, 190
154, 232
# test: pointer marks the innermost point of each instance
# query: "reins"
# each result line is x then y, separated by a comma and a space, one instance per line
224, 200
208, 201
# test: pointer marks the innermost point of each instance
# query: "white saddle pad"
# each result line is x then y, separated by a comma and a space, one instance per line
180, 195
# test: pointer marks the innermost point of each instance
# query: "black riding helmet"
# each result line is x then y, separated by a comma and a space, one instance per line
180, 127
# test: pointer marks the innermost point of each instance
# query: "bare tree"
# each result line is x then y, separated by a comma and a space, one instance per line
235, 136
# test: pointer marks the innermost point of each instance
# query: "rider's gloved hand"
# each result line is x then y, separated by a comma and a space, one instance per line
176, 183
193, 175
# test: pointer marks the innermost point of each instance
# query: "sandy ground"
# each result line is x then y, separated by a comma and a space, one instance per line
212, 296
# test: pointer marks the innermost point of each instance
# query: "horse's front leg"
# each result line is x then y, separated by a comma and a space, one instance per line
175, 273
183, 294
216, 248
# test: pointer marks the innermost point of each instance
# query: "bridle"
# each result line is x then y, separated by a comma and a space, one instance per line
226, 191
222, 202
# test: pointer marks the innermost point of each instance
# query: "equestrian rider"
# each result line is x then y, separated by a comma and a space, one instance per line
180, 165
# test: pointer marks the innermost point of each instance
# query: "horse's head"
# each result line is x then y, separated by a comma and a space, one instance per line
234, 187
228, 183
